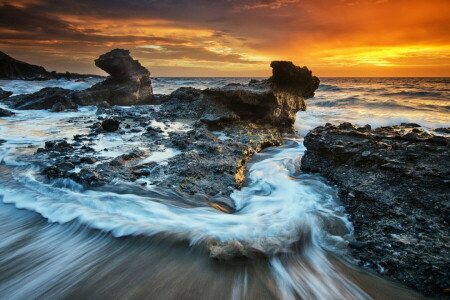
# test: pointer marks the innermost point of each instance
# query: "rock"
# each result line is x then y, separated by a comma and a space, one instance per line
44, 99
125, 158
6, 113
129, 83
110, 125
272, 101
288, 78
4, 94
410, 125
58, 107
11, 68
88, 160
121, 66
394, 183
199, 159
104, 104
442, 130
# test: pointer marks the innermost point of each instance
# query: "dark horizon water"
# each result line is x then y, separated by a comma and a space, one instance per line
58, 240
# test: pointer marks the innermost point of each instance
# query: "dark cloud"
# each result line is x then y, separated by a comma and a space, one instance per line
192, 53
224, 31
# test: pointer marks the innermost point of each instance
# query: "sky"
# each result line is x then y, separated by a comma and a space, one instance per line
334, 38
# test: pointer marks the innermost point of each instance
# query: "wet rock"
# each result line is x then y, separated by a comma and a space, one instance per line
87, 177
442, 130
125, 158
104, 104
4, 94
88, 160
272, 101
410, 125
110, 125
44, 99
191, 157
394, 183
58, 107
6, 113
129, 83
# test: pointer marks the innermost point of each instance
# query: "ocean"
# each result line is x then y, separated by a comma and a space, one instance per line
58, 240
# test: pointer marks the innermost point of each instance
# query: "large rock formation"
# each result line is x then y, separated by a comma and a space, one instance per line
394, 181
272, 101
129, 82
44, 99
11, 68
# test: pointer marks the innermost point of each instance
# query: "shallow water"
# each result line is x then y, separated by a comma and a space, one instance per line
59, 240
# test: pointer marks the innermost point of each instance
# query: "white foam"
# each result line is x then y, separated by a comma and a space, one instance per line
274, 206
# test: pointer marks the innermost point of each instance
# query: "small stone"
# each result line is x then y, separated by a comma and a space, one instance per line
366, 153
110, 125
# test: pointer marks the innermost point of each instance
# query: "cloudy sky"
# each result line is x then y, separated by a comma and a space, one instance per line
233, 37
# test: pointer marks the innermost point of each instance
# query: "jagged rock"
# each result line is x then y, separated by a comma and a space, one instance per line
199, 159
6, 113
394, 183
121, 66
44, 99
110, 125
4, 94
272, 101
129, 83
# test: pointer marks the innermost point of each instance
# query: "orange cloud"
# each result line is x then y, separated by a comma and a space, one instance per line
230, 37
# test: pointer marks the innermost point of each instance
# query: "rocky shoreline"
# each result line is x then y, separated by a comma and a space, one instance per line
395, 184
394, 181
195, 142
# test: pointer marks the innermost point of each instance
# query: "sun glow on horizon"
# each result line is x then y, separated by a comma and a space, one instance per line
229, 38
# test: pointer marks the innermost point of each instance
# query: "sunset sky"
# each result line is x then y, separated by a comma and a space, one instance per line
233, 37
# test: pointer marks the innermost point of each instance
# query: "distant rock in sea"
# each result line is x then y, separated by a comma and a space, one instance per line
11, 68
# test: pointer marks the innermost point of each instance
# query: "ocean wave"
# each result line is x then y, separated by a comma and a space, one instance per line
268, 221
338, 102
329, 88
416, 94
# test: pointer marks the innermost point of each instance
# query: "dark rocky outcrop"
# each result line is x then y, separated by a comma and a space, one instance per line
5, 113
4, 94
44, 99
272, 101
129, 83
250, 117
395, 183
110, 125
11, 68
